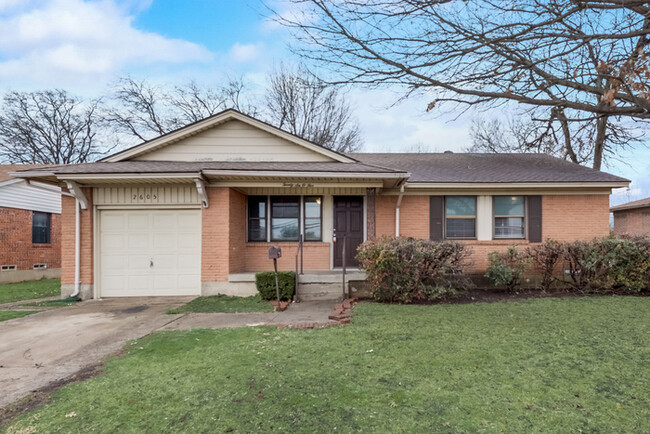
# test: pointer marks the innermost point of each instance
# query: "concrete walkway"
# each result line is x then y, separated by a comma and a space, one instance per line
46, 347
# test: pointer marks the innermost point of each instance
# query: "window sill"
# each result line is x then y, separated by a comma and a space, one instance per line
285, 243
41, 245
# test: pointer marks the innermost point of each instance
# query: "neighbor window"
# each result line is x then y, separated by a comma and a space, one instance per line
41, 228
460, 217
509, 215
257, 218
285, 218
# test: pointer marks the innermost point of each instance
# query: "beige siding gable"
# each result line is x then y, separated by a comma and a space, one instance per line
233, 141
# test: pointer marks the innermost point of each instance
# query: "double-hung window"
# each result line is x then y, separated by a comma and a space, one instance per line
509, 216
460, 217
284, 218
41, 227
257, 218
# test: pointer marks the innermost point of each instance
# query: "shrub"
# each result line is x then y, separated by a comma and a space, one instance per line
507, 268
265, 283
407, 270
545, 257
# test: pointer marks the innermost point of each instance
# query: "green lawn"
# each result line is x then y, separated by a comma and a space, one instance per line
29, 290
6, 315
544, 365
224, 303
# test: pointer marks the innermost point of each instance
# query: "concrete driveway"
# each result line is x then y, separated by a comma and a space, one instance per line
42, 348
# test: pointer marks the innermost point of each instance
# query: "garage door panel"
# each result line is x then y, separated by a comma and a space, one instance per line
132, 239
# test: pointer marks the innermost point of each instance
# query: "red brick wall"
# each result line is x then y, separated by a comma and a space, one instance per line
316, 256
16, 240
215, 237
68, 241
564, 218
237, 226
632, 222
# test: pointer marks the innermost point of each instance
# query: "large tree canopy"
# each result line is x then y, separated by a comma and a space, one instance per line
48, 127
582, 60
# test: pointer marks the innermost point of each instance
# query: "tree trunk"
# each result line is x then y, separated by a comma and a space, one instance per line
599, 144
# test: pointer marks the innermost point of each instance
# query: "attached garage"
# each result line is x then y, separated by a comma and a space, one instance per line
150, 252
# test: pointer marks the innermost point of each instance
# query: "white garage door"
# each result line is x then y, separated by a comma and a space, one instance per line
148, 253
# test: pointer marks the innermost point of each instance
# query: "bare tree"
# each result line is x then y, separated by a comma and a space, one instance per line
142, 110
305, 106
586, 57
48, 127
572, 141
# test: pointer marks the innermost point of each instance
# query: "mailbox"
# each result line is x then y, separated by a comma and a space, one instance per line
275, 252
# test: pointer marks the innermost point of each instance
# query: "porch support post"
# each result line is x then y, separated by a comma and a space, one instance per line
371, 224
399, 203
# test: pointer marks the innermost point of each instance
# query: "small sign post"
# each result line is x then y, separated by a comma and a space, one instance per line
275, 253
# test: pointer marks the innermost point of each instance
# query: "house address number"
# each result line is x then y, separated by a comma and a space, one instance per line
143, 196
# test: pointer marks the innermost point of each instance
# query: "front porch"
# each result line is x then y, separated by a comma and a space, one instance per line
313, 285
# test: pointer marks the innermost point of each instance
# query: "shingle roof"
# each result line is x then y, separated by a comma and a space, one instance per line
6, 169
641, 203
497, 168
193, 167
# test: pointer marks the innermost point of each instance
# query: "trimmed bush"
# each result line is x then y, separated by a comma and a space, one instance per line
506, 269
265, 283
546, 257
408, 270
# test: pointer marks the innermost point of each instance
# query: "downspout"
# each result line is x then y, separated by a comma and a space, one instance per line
80, 202
399, 203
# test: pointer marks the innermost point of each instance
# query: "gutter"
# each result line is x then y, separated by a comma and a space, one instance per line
80, 203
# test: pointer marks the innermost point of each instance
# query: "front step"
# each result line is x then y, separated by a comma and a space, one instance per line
325, 285
320, 291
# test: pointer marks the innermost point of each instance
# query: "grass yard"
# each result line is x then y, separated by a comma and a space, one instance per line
224, 303
31, 290
543, 365
6, 315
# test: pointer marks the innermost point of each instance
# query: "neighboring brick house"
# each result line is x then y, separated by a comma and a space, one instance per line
195, 211
632, 218
30, 228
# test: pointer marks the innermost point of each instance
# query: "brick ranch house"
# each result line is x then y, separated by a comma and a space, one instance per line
632, 218
30, 228
194, 211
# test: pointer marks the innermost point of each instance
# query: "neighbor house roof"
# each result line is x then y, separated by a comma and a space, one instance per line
487, 168
641, 203
6, 169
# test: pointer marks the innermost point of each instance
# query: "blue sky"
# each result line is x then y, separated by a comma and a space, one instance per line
83, 46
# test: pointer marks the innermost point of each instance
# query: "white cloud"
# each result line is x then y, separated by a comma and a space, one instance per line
246, 52
60, 42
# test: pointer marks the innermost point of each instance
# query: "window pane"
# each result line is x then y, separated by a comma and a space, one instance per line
509, 227
509, 205
40, 228
284, 229
312, 229
285, 207
257, 206
460, 205
312, 207
461, 228
257, 230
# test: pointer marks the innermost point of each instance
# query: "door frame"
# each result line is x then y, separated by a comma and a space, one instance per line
365, 224
97, 221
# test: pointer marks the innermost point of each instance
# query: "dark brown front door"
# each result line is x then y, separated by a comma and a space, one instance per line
348, 226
